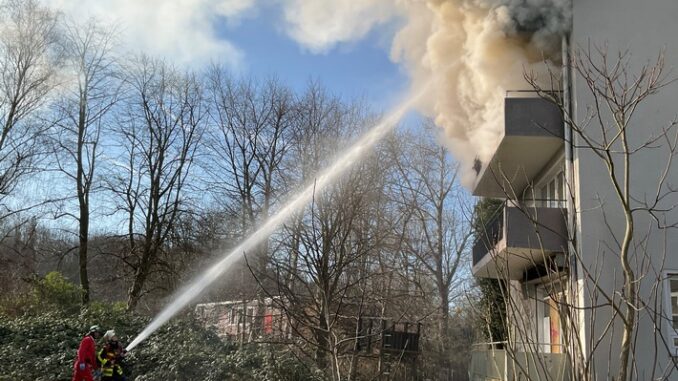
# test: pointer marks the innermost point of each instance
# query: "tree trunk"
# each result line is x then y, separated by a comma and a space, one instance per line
82, 254
444, 331
82, 192
140, 276
321, 337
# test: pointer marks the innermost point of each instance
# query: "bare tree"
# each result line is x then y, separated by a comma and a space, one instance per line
29, 52
611, 132
248, 139
81, 114
436, 222
315, 113
160, 132
324, 260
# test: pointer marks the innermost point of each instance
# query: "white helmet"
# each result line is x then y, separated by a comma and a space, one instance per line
109, 335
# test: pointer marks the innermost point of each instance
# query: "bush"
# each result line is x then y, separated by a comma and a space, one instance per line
41, 344
57, 292
184, 350
49, 293
40, 332
42, 348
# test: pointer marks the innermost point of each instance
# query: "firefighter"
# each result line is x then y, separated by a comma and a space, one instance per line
110, 358
86, 360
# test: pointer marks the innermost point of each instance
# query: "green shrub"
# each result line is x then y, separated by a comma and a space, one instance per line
40, 332
58, 292
43, 347
49, 293
184, 350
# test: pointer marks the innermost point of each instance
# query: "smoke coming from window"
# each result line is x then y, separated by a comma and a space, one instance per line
474, 50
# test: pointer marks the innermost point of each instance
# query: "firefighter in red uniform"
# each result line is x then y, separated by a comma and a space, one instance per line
86, 360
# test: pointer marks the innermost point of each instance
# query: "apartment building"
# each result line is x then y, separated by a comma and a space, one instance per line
557, 239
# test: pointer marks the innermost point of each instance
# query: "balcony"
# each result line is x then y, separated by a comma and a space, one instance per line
533, 134
490, 363
518, 240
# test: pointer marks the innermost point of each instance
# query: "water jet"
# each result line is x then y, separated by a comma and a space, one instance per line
343, 162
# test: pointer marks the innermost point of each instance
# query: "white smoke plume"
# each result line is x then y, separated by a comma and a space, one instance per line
475, 51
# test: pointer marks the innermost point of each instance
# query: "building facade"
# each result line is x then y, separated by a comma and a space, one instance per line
585, 240
245, 320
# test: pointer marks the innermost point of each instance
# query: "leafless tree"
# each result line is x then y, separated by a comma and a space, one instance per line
81, 114
436, 225
159, 134
323, 262
247, 141
29, 54
612, 132
18, 254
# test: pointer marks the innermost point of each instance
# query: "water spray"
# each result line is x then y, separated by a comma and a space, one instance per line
343, 162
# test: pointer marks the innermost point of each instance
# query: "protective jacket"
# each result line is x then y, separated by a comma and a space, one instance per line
85, 360
110, 358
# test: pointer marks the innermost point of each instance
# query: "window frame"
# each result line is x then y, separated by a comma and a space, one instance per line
668, 310
544, 180
543, 294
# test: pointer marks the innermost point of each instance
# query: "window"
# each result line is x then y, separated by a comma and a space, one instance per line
250, 315
233, 315
553, 192
672, 309
240, 314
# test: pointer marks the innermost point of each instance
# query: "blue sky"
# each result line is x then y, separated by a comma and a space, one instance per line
357, 69
353, 69
345, 44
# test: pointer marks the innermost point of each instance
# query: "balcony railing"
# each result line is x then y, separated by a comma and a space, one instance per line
518, 238
491, 361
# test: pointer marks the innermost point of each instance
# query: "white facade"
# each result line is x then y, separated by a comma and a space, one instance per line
562, 296
644, 29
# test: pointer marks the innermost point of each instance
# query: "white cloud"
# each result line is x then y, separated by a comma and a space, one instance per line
181, 30
319, 25
234, 8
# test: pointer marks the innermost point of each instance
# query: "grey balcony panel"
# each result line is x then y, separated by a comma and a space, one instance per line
519, 240
536, 117
533, 134
536, 228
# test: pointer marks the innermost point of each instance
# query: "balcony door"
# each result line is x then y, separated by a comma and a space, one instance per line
550, 332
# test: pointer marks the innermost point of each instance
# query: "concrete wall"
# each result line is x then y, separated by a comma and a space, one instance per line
643, 28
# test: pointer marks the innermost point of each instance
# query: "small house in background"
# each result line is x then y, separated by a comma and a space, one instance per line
245, 320
401, 338
393, 346
389, 347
